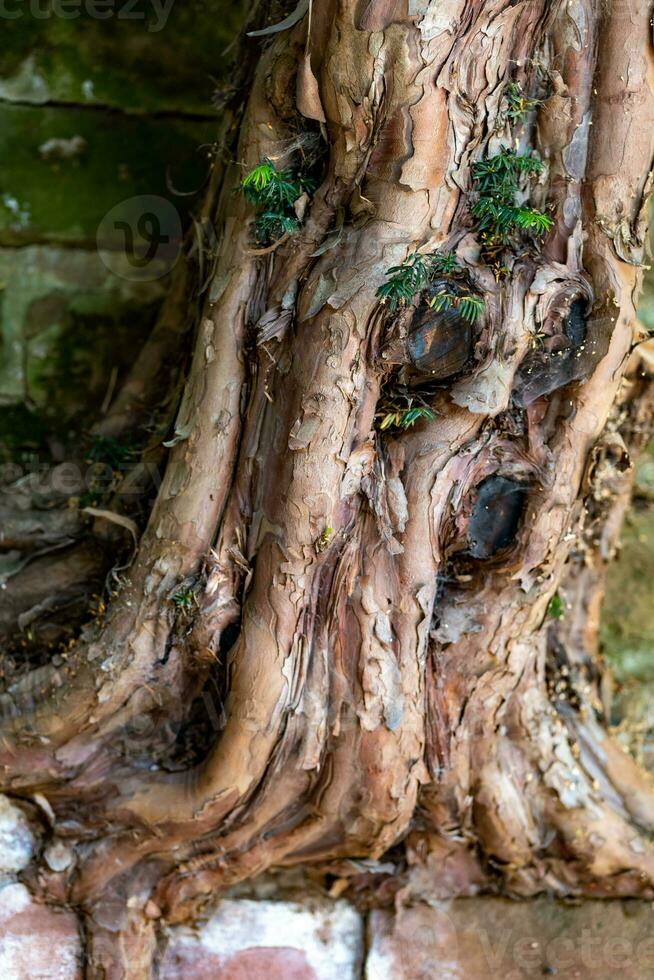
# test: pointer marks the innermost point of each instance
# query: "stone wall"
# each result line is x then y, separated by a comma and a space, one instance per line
105, 108
319, 939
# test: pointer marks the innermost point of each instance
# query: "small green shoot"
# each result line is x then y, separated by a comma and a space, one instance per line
323, 539
273, 193
517, 103
470, 307
444, 264
415, 274
497, 182
184, 599
555, 607
499, 174
397, 416
404, 281
257, 180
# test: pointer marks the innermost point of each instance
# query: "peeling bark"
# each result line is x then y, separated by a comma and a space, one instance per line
381, 649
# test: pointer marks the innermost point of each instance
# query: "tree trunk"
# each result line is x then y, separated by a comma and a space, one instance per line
334, 637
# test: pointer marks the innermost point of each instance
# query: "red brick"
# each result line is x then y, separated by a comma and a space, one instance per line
36, 941
262, 940
258, 963
487, 938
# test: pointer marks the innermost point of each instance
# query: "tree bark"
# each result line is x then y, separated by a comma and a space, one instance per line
362, 665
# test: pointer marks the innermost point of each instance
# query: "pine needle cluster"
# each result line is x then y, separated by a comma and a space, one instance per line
469, 306
416, 273
517, 103
497, 182
401, 412
273, 193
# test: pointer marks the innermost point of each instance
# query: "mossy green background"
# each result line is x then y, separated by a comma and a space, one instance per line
119, 61
138, 104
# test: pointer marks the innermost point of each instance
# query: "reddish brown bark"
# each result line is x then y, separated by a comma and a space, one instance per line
387, 678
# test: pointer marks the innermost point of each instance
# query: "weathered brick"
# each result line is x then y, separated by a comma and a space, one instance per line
484, 938
36, 942
261, 940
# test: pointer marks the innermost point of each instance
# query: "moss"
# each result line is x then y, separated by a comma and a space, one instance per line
66, 323
129, 111
70, 381
118, 157
627, 626
555, 607
118, 61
